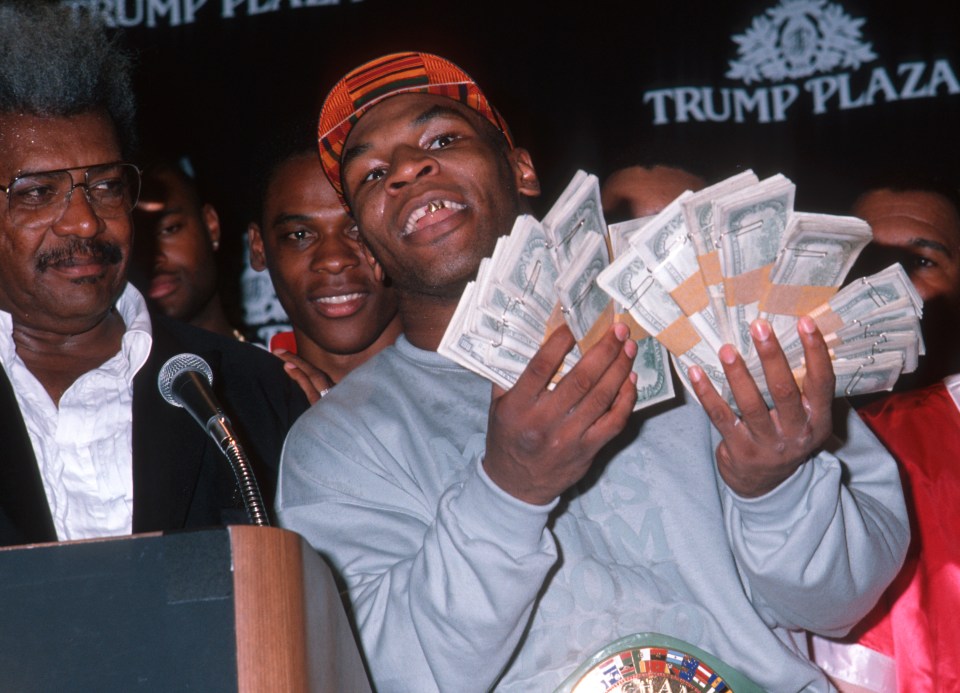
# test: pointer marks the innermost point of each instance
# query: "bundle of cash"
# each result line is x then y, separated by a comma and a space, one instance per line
540, 276
697, 275
687, 281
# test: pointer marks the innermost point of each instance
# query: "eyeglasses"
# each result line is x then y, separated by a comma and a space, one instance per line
40, 199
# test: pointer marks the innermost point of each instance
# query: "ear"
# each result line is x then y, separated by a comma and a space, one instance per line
212, 221
526, 175
258, 259
378, 272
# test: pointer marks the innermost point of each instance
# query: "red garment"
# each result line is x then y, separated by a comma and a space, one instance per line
917, 621
283, 340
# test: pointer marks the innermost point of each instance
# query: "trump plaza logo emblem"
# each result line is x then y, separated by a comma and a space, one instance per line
802, 53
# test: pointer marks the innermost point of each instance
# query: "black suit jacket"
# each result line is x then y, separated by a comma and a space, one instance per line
180, 477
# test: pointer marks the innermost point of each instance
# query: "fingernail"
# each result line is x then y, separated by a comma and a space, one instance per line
695, 373
288, 366
807, 324
621, 331
728, 354
278, 351
630, 348
760, 330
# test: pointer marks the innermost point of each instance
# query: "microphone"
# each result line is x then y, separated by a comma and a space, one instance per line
185, 381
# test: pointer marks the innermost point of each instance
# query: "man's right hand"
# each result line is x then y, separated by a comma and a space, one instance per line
541, 442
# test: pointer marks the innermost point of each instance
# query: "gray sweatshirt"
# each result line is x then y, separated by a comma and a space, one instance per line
457, 586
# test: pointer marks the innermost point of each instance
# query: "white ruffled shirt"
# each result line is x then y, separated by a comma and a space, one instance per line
84, 447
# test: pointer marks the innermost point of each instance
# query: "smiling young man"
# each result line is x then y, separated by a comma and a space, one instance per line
496, 539
341, 308
91, 449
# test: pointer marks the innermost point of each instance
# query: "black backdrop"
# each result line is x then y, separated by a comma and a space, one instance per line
572, 79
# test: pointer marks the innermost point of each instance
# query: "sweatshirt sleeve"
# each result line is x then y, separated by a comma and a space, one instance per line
441, 590
816, 552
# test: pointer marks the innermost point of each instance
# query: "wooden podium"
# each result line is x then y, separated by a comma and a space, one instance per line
240, 608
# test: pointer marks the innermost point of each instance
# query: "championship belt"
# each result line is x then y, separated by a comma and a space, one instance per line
655, 663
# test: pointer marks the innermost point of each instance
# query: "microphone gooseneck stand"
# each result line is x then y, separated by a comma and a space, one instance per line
184, 381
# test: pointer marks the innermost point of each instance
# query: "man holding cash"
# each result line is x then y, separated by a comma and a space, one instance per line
498, 539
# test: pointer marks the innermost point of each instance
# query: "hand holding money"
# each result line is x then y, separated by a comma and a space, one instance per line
688, 281
542, 276
757, 257
762, 447
542, 440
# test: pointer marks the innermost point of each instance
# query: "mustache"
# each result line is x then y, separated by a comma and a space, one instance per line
83, 249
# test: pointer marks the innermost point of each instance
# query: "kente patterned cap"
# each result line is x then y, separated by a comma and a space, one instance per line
387, 76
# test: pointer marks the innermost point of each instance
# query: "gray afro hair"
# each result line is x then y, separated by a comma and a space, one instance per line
59, 61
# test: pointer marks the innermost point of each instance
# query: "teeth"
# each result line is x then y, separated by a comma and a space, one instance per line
430, 208
339, 299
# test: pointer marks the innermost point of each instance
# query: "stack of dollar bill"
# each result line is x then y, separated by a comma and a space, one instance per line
687, 281
542, 275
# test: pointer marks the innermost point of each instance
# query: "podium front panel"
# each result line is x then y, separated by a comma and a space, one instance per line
151, 613
245, 609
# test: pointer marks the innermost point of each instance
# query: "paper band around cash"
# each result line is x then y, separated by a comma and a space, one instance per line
748, 287
691, 295
679, 337
598, 329
785, 299
827, 321
710, 267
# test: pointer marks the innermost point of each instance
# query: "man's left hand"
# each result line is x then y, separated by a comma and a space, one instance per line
762, 447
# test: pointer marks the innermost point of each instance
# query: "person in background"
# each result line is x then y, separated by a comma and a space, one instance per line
640, 191
915, 221
340, 305
91, 448
175, 251
911, 639
496, 540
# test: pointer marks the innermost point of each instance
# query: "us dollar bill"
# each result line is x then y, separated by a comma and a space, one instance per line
686, 281
905, 344
888, 292
877, 372
865, 325
652, 366
469, 350
666, 247
628, 281
577, 213
818, 252
698, 214
750, 223
523, 274
621, 233
586, 307
881, 324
